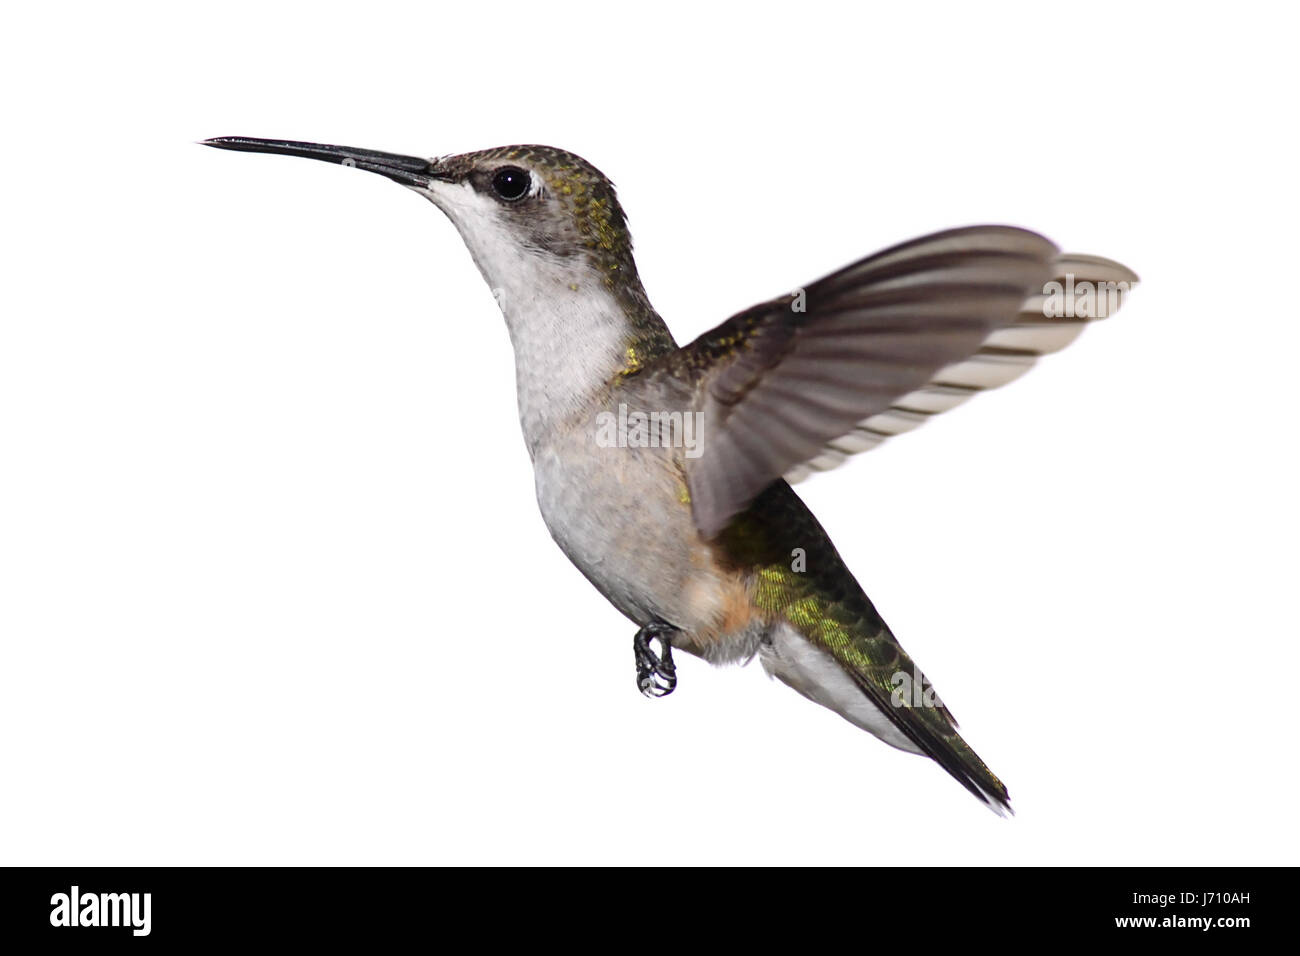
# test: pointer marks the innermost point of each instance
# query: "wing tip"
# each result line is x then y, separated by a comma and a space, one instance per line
1098, 268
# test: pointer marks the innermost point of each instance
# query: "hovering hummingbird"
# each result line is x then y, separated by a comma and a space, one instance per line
663, 471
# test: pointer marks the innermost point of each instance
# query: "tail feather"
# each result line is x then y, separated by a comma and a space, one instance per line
829, 643
911, 717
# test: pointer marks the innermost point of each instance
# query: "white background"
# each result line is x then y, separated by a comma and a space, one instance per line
273, 584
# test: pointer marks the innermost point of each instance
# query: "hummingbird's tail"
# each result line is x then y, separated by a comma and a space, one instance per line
911, 717
829, 643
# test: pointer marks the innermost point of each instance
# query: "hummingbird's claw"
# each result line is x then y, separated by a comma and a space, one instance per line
656, 675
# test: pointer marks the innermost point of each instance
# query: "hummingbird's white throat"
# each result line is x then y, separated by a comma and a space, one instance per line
567, 330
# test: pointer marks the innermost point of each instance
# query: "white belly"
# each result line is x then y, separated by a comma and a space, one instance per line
622, 517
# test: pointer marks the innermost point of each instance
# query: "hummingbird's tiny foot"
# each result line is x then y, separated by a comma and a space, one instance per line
656, 675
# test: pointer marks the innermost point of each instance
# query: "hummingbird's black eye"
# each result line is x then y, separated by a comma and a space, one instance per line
511, 183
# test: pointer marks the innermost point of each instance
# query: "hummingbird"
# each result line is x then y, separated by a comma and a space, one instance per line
664, 471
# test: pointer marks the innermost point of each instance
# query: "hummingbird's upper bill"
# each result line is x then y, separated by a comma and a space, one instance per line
407, 170
710, 550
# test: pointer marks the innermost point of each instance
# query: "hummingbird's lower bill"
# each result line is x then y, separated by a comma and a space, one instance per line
664, 471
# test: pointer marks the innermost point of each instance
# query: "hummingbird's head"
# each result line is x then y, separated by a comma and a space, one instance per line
536, 201
521, 209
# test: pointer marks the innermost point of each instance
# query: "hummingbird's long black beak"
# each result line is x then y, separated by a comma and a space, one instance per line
407, 170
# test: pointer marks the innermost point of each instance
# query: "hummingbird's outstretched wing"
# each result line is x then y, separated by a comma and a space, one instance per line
798, 383
1083, 289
